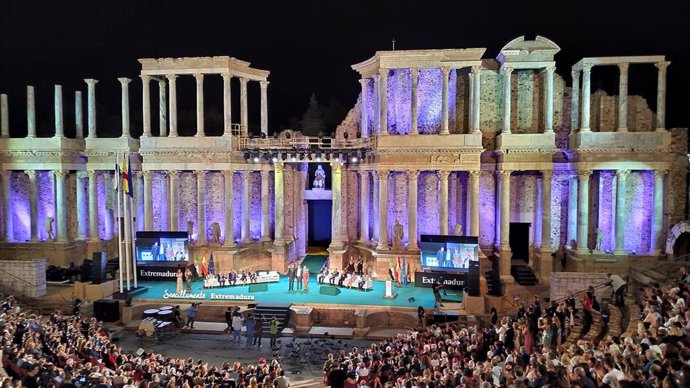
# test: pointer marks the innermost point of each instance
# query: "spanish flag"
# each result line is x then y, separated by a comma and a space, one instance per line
127, 176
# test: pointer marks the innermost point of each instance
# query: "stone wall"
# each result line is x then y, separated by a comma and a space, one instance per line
562, 282
24, 277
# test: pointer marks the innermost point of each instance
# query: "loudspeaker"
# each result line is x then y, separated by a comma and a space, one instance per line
98, 262
329, 290
259, 287
107, 310
473, 279
411, 299
86, 271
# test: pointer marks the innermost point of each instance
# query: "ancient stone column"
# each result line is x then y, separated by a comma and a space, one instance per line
59, 122
201, 207
586, 94
227, 105
173, 219
413, 101
229, 227
138, 198
33, 203
572, 209
583, 211
476, 99
30, 112
507, 71
199, 105
148, 201
621, 176
337, 205
265, 225
546, 212
470, 115
412, 236
244, 113
162, 108
443, 177
383, 210
445, 73
505, 252
473, 194
146, 105
377, 104
364, 121
548, 116
78, 116
91, 111
279, 201
124, 84
7, 203
60, 205
364, 207
575, 101
246, 238
623, 97
93, 203
661, 96
172, 105
263, 85
375, 204
4, 117
81, 206
383, 98
658, 220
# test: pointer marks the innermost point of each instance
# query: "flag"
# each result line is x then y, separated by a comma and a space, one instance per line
111, 190
404, 272
211, 266
204, 269
116, 177
127, 176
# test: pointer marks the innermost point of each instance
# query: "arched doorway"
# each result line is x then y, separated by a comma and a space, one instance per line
681, 248
678, 241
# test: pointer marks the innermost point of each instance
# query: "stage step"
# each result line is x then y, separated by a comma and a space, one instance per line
268, 310
493, 283
523, 275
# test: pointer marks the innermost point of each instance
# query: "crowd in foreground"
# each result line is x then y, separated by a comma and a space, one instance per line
530, 349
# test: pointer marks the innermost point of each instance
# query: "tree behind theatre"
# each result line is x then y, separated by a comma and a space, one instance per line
312, 120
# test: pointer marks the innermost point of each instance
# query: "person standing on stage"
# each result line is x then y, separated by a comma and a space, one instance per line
298, 276
258, 331
236, 327
305, 278
228, 321
360, 266
179, 281
441, 256
273, 329
191, 314
436, 289
291, 278
249, 325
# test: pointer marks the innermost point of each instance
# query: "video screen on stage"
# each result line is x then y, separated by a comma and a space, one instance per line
448, 253
160, 248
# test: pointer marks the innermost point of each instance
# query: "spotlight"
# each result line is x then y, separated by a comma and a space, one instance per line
256, 159
337, 159
318, 157
274, 159
354, 159
293, 158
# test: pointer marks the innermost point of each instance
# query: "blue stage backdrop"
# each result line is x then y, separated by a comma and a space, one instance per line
320, 222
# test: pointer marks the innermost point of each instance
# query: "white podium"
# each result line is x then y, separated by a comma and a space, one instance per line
389, 291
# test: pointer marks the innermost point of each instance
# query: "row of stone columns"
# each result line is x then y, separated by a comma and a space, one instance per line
381, 100
548, 99
171, 106
380, 182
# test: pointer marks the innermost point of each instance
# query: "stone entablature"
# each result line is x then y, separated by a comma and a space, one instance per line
202, 65
421, 59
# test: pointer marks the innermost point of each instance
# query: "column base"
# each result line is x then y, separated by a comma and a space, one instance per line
620, 252
622, 129
279, 243
582, 250
266, 238
657, 252
506, 132
585, 130
661, 130
412, 248
476, 132
446, 132
380, 247
363, 241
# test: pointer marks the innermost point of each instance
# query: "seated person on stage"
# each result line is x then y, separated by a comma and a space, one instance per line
343, 276
221, 280
351, 279
361, 281
252, 276
243, 278
334, 275
322, 275
232, 278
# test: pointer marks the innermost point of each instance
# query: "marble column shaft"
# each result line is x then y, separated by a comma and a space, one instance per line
443, 180
383, 210
548, 116
476, 99
30, 112
162, 108
445, 73
364, 120
412, 234
82, 222
227, 105
470, 115
375, 204
33, 203
93, 204
246, 175
124, 84
146, 105
572, 209
4, 116
244, 113
78, 116
661, 96
148, 201
621, 177
279, 203
7, 204
377, 105
383, 98
172, 105
229, 227
201, 206
60, 205
623, 97
507, 71
583, 211
474, 201
264, 106
546, 211
59, 122
414, 130
173, 199
575, 102
265, 225
658, 220
199, 105
337, 205
505, 209
586, 95
364, 207
91, 111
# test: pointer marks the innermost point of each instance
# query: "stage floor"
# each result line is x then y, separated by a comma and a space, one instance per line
278, 292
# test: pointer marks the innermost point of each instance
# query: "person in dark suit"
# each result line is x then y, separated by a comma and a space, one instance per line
441, 256
291, 278
154, 251
335, 275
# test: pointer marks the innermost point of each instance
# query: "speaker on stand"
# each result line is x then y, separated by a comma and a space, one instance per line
473, 279
98, 262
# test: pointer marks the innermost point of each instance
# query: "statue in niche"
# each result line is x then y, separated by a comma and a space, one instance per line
319, 178
49, 228
599, 235
215, 233
457, 230
190, 230
397, 235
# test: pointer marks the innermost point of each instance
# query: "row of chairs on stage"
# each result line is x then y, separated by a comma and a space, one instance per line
350, 280
213, 281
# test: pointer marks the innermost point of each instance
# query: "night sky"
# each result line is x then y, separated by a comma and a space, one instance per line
309, 46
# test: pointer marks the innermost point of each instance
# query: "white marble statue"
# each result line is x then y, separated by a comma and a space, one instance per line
599, 235
190, 230
319, 178
215, 233
49, 228
397, 235
457, 230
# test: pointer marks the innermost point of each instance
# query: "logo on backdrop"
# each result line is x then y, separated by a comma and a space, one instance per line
202, 296
158, 273
450, 280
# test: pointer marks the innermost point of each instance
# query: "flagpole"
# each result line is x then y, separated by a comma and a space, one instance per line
132, 214
119, 227
128, 252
